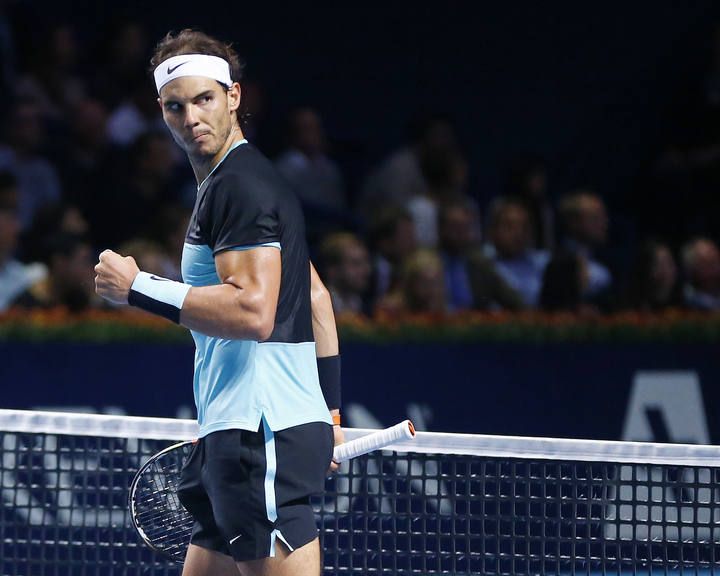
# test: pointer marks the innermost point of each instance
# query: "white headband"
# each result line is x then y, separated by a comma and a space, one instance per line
192, 65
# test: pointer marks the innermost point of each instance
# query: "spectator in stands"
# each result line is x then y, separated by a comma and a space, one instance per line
52, 83
51, 220
129, 207
445, 174
85, 162
510, 234
150, 257
701, 265
564, 284
399, 178
136, 115
654, 285
70, 281
471, 281
159, 252
422, 288
170, 237
585, 226
345, 267
15, 277
527, 181
37, 180
124, 52
305, 164
393, 239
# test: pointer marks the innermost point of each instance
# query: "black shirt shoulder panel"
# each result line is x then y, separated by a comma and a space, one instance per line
241, 210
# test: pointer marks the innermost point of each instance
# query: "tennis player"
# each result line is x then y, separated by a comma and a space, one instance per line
267, 369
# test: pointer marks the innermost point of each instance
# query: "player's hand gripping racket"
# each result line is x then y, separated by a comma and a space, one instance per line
162, 521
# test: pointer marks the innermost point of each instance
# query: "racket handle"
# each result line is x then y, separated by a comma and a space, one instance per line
375, 441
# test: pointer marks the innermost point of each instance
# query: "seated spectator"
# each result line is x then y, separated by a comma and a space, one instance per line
510, 234
123, 49
422, 288
565, 282
399, 178
471, 281
393, 240
70, 281
445, 173
701, 266
136, 115
585, 224
527, 180
129, 206
85, 163
37, 180
150, 257
53, 219
314, 176
52, 82
654, 285
345, 269
169, 235
15, 277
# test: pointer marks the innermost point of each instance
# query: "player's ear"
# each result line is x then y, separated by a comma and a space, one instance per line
234, 95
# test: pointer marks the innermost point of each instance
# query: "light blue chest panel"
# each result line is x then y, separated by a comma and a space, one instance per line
236, 382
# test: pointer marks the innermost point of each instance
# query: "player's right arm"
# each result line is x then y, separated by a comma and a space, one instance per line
241, 307
241, 227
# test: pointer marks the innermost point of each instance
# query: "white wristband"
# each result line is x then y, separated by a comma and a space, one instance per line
158, 295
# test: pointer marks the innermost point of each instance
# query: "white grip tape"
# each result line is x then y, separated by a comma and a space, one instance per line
402, 431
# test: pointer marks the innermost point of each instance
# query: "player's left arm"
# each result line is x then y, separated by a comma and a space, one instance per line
327, 349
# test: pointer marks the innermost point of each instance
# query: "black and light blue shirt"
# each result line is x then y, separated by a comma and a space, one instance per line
241, 205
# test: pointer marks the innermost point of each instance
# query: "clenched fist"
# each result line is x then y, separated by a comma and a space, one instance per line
115, 275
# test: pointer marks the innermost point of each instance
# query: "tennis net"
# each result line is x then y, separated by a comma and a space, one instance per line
439, 504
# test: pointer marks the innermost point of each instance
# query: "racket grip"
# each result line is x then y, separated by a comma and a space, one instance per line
375, 441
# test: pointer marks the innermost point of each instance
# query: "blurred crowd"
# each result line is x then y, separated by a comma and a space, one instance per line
86, 164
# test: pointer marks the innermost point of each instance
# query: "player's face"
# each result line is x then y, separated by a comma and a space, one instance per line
199, 113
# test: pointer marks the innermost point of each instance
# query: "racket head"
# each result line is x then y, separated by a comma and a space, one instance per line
155, 509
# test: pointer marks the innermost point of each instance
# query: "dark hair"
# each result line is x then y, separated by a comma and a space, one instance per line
8, 192
641, 291
333, 246
190, 41
385, 223
503, 203
7, 180
561, 287
63, 244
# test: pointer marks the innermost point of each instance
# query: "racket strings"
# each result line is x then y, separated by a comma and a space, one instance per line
165, 522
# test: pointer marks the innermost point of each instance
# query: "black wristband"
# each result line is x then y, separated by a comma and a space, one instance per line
158, 295
329, 374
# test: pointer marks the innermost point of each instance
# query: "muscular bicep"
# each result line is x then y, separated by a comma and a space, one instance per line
243, 305
251, 268
254, 271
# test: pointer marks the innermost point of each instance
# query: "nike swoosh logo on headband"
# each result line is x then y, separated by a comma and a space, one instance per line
171, 70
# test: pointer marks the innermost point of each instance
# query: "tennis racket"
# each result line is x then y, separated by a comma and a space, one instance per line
161, 520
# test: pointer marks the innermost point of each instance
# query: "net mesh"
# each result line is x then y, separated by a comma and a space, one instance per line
64, 510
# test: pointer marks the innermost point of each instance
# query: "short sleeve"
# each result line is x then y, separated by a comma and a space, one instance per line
242, 211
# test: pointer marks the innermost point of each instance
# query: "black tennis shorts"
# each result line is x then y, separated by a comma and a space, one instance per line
246, 490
